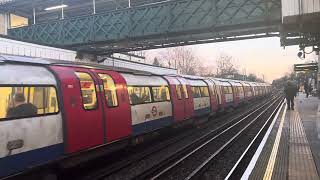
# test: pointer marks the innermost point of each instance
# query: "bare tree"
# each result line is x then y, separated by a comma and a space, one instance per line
226, 66
183, 59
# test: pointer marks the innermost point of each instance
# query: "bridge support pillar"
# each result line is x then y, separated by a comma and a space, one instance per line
4, 23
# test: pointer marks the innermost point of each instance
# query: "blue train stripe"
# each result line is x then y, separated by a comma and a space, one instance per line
203, 111
18, 162
151, 125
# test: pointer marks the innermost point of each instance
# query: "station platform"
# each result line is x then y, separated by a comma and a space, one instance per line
291, 147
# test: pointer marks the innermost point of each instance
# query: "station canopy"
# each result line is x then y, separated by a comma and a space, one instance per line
44, 9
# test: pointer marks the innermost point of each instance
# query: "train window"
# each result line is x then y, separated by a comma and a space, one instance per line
227, 90
160, 93
178, 90
88, 91
27, 101
185, 91
110, 90
240, 89
235, 90
139, 95
196, 93
204, 91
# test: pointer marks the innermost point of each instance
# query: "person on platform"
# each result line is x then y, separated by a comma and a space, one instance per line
290, 91
306, 89
21, 108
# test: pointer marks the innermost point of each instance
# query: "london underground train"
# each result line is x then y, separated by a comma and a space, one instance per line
53, 112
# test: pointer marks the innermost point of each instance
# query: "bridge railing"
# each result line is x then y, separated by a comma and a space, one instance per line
158, 20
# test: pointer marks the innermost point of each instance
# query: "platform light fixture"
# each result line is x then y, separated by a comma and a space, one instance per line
56, 7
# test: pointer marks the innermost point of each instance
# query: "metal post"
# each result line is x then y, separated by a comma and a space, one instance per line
62, 13
94, 6
7, 23
129, 1
34, 16
318, 75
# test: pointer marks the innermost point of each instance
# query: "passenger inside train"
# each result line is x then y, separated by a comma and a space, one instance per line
21, 108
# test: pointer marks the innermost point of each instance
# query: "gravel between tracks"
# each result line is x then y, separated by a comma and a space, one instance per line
140, 166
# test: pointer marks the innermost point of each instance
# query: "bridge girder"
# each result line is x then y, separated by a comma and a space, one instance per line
162, 24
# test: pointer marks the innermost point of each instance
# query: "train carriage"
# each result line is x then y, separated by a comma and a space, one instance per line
33, 135
150, 101
62, 112
228, 94
201, 97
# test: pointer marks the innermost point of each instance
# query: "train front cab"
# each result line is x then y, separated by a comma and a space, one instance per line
96, 106
181, 97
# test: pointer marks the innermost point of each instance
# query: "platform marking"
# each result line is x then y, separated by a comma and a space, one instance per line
318, 121
301, 162
256, 156
272, 160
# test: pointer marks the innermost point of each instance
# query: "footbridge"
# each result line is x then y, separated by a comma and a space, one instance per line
157, 25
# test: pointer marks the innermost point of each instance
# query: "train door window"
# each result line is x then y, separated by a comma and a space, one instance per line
139, 95
110, 90
240, 89
204, 91
225, 90
178, 90
196, 93
27, 101
214, 90
230, 89
160, 93
88, 91
185, 91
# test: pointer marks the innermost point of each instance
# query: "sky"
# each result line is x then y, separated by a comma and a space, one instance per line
262, 56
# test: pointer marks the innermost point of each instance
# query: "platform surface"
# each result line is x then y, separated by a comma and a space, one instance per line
291, 146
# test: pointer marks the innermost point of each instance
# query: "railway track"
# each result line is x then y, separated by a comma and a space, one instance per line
108, 172
116, 170
191, 161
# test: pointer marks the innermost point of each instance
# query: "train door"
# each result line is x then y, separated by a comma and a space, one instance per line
235, 94
221, 100
188, 100
82, 112
213, 98
116, 105
177, 98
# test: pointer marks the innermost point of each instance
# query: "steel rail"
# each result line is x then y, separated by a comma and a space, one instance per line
245, 153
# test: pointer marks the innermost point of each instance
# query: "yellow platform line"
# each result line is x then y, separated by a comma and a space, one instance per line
269, 170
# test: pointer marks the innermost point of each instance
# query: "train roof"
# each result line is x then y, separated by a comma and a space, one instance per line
45, 61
